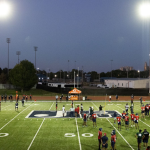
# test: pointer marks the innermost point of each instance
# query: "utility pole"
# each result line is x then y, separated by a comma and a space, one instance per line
8, 41
35, 49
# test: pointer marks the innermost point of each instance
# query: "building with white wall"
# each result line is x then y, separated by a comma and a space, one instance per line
128, 82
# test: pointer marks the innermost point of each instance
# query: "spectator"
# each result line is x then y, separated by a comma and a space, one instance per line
104, 142
146, 138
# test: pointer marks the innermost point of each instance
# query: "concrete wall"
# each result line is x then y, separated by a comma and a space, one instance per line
141, 83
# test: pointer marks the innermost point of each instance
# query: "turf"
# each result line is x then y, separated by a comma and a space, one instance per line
49, 133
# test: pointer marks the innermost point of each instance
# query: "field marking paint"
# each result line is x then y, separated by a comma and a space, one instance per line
14, 117
37, 131
94, 105
120, 135
78, 134
3, 134
144, 123
51, 106
29, 114
36, 134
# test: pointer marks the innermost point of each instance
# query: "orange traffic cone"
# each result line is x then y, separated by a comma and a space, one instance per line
35, 100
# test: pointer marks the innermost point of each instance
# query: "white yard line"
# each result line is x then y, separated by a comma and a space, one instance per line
36, 134
120, 134
14, 118
78, 134
51, 106
95, 106
38, 130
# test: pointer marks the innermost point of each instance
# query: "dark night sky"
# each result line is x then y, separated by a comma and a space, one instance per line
90, 32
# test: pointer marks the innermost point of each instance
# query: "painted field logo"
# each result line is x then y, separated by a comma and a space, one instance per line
58, 114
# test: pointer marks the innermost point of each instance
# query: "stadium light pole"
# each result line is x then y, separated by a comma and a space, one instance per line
8, 41
144, 12
18, 53
35, 49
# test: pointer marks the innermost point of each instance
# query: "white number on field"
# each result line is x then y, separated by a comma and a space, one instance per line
73, 135
3, 134
69, 135
87, 134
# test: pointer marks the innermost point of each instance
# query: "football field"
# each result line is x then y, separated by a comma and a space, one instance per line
32, 127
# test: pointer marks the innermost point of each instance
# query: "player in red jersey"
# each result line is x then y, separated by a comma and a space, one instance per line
84, 120
143, 111
99, 137
132, 119
147, 110
136, 120
78, 110
119, 122
94, 119
113, 141
127, 121
123, 116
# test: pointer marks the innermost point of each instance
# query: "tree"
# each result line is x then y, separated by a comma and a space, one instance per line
23, 75
3, 78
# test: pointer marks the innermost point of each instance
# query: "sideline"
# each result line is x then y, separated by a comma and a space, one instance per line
38, 130
15, 117
78, 134
120, 134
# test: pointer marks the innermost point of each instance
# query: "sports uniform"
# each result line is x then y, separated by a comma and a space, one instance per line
132, 118
147, 109
94, 119
123, 115
104, 141
63, 110
113, 140
119, 120
146, 137
56, 106
16, 106
99, 136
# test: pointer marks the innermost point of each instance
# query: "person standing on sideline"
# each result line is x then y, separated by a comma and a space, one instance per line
143, 111
136, 120
104, 142
115, 115
139, 136
116, 97
56, 106
56, 97
141, 101
127, 122
127, 107
63, 110
132, 98
147, 110
110, 97
71, 111
16, 106
119, 122
131, 108
84, 120
81, 110
146, 137
94, 119
132, 119
113, 140
99, 137
100, 110
22, 102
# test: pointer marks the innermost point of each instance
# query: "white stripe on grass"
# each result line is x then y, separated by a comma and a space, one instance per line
78, 134
38, 130
36, 134
14, 118
120, 134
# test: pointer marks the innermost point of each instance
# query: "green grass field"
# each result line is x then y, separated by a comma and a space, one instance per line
20, 133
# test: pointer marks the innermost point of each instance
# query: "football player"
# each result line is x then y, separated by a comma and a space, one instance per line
127, 121
132, 119
99, 137
143, 111
119, 122
94, 119
136, 118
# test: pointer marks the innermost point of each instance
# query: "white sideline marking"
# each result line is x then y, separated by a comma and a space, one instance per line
51, 106
29, 114
14, 117
78, 135
144, 123
38, 130
36, 134
120, 135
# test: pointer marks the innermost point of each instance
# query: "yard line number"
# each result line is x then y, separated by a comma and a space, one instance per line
73, 135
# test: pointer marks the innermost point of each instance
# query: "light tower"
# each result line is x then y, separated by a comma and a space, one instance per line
18, 53
8, 41
35, 49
